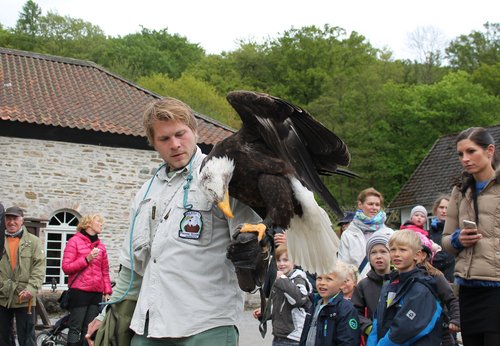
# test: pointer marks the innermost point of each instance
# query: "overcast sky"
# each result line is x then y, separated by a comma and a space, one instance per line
217, 25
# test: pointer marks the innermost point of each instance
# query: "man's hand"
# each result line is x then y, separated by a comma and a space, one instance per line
25, 295
280, 238
91, 329
249, 258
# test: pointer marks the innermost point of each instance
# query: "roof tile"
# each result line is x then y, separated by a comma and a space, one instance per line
49, 90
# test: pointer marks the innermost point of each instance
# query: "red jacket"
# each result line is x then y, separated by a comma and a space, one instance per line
95, 276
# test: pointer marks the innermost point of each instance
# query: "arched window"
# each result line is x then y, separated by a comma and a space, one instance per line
60, 229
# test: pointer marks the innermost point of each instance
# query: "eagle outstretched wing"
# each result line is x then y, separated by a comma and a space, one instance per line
296, 137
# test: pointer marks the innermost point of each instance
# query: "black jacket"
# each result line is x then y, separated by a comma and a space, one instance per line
337, 324
365, 298
443, 261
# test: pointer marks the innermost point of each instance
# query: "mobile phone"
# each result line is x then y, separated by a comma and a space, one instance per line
470, 225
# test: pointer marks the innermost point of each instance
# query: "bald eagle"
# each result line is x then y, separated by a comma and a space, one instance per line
273, 164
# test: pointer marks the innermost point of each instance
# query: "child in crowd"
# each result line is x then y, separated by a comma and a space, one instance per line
332, 320
451, 310
408, 311
367, 292
289, 301
417, 221
351, 282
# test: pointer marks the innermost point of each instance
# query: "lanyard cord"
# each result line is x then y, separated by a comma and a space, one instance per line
130, 243
187, 206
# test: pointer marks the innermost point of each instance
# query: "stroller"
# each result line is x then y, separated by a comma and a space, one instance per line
55, 335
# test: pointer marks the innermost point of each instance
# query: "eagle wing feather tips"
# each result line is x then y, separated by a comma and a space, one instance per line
276, 133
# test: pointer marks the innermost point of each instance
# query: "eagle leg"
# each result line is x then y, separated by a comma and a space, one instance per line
259, 228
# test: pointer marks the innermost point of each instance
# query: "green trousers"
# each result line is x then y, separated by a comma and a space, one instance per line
220, 336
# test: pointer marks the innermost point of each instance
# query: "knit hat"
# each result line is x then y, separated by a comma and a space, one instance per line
418, 209
378, 237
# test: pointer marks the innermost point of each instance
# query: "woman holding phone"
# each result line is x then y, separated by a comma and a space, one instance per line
86, 262
472, 233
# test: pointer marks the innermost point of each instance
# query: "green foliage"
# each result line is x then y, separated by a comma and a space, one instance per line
150, 51
391, 132
199, 95
28, 22
489, 77
469, 52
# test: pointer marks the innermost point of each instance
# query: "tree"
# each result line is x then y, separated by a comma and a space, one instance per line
28, 22
428, 44
70, 37
200, 96
468, 52
150, 51
27, 26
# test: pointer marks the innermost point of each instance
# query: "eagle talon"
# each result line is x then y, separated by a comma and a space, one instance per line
260, 229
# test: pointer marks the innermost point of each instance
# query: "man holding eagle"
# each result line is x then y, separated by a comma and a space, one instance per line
179, 236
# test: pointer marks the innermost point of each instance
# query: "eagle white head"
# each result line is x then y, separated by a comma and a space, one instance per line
214, 181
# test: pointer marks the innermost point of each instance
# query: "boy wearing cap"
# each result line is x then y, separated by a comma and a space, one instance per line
367, 292
22, 268
408, 311
418, 218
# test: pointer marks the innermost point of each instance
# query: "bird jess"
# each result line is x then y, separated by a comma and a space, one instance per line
273, 164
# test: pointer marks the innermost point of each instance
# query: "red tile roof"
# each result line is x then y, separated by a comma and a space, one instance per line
56, 91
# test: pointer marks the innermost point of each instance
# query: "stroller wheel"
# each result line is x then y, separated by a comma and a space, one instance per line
44, 338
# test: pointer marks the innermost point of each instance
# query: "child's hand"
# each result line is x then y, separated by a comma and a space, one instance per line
280, 274
257, 314
453, 328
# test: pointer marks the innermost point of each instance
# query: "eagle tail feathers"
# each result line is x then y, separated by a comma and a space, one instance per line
311, 241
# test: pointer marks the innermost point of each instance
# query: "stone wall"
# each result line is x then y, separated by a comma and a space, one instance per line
44, 177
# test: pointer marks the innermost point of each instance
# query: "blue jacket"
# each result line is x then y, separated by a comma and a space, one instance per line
412, 317
337, 324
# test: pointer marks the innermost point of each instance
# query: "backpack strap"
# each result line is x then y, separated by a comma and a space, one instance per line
362, 265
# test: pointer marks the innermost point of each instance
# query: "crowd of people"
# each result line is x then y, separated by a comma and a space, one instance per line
175, 285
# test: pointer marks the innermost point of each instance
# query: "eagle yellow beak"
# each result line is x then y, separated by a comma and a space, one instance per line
225, 206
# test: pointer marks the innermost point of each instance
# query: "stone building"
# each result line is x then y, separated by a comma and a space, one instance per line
71, 142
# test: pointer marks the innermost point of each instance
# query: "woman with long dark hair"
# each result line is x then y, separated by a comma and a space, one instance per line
472, 233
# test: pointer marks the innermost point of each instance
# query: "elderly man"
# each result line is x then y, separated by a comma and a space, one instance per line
22, 268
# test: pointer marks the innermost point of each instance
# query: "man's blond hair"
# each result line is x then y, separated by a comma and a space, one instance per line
165, 109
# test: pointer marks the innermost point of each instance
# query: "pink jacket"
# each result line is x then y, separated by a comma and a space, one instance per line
95, 276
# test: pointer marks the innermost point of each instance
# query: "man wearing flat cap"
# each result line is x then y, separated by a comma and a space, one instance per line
22, 268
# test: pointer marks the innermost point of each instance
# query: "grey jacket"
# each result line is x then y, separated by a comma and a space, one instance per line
290, 301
